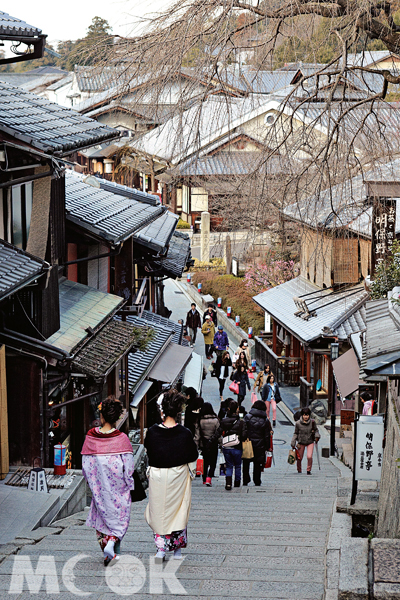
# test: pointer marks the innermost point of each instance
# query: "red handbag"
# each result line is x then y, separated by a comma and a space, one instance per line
268, 462
234, 387
199, 467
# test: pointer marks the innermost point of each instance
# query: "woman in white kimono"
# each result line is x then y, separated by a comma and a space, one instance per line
170, 449
107, 465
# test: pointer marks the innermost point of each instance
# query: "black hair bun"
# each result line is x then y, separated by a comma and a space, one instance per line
172, 403
111, 409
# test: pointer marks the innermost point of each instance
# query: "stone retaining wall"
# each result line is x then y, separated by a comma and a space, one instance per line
389, 496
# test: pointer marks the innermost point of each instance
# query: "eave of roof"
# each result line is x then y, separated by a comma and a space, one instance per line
18, 269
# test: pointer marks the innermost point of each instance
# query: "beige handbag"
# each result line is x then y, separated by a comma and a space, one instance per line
247, 449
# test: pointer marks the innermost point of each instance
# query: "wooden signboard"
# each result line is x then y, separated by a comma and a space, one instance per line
346, 419
4, 458
383, 230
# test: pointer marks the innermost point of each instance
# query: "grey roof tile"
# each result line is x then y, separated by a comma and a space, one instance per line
106, 214
231, 163
157, 235
12, 26
46, 125
128, 192
141, 362
168, 323
278, 302
177, 258
17, 269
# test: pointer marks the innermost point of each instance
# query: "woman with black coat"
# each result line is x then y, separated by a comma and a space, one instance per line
208, 426
230, 425
223, 367
259, 433
242, 379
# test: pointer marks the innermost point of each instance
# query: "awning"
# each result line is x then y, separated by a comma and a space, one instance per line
346, 371
171, 363
140, 393
100, 355
194, 373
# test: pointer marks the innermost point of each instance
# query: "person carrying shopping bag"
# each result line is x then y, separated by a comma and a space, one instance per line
233, 431
242, 379
208, 331
305, 435
271, 396
223, 368
259, 433
208, 426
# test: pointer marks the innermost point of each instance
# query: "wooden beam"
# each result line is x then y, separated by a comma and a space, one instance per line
383, 189
4, 454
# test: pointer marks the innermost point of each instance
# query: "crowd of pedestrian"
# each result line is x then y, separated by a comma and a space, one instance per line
173, 448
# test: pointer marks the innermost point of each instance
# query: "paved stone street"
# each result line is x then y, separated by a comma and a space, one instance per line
266, 542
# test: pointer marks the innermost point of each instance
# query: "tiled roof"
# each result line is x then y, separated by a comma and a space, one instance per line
81, 307
345, 204
157, 235
17, 269
128, 192
107, 215
231, 163
10, 26
167, 323
278, 302
177, 258
354, 324
45, 125
100, 354
382, 336
141, 362
97, 79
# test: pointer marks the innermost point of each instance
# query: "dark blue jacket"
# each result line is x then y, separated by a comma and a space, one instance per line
243, 380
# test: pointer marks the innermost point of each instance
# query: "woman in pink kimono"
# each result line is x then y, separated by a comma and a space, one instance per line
107, 465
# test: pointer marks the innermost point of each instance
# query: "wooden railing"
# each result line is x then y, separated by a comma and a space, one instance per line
306, 392
287, 369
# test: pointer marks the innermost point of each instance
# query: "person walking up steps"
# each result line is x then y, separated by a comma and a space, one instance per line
235, 428
271, 396
261, 378
193, 322
170, 450
107, 466
208, 426
259, 433
211, 312
305, 435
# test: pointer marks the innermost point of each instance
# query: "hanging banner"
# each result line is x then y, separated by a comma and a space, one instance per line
383, 230
369, 451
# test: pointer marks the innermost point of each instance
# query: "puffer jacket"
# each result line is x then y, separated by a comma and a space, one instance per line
305, 433
208, 426
259, 433
231, 425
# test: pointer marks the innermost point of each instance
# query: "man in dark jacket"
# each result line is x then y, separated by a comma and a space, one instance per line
211, 313
259, 433
193, 322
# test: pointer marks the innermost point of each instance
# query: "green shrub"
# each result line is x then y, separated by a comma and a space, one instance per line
182, 225
234, 293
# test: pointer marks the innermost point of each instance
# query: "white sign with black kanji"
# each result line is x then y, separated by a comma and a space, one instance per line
369, 451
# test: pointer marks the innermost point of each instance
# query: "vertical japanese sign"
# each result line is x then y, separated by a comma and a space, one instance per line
369, 451
383, 230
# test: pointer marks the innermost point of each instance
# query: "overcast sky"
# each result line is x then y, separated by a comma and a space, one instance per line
70, 20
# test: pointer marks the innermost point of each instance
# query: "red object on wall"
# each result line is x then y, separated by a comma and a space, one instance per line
72, 269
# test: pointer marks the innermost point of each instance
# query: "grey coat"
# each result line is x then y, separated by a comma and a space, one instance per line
305, 433
208, 425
